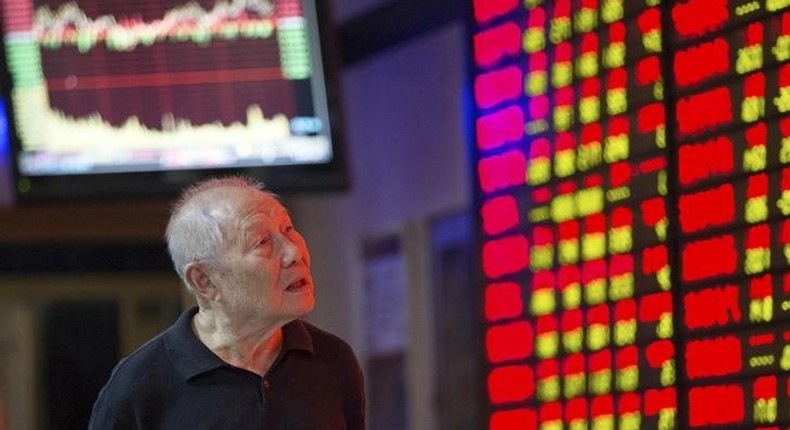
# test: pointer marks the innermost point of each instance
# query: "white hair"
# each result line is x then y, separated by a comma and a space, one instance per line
193, 232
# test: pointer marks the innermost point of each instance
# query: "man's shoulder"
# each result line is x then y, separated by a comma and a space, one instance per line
148, 362
326, 343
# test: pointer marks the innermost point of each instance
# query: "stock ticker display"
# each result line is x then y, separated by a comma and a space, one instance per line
169, 84
633, 164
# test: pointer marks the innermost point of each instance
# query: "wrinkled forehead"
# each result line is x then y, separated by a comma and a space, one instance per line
253, 208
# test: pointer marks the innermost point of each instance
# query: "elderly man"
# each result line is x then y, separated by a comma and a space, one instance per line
241, 359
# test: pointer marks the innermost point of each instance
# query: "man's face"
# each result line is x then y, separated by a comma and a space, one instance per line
263, 269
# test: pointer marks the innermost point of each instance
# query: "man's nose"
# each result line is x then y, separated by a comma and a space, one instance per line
289, 252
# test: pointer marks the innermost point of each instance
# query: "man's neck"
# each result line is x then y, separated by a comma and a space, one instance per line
253, 346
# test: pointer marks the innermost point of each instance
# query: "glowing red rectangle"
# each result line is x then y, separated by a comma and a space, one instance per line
565, 141
589, 43
618, 78
497, 86
653, 211
536, 18
492, 45
563, 53
510, 384
509, 342
626, 357
601, 406
659, 352
715, 306
697, 17
516, 419
621, 264
648, 71
541, 195
568, 275
760, 288
620, 175
709, 258
543, 279
784, 76
503, 300
550, 412
719, 356
601, 361
591, 88
593, 270
569, 230
500, 127
505, 256
576, 409
622, 217
650, 117
539, 148
617, 32
758, 237
502, 171
562, 8
706, 209
652, 306
573, 364
786, 179
499, 214
542, 236
757, 186
704, 111
765, 387
538, 62
701, 62
486, 10
649, 20
715, 405
546, 324
590, 181
754, 33
654, 259
538, 107
595, 224
598, 315
564, 96
702, 161
757, 135
761, 339
548, 369
591, 134
754, 85
653, 164
628, 403
625, 310
567, 187
659, 399
571, 320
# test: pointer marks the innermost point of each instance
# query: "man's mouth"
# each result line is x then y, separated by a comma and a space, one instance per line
297, 286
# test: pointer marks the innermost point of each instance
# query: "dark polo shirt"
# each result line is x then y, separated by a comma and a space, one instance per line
175, 382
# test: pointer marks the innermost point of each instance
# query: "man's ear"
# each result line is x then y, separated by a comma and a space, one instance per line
197, 276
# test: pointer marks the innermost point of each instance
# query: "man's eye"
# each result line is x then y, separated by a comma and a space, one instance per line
262, 242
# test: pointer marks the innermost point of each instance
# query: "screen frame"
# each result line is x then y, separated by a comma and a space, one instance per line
282, 179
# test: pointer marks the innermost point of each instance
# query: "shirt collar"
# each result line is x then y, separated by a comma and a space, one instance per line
191, 357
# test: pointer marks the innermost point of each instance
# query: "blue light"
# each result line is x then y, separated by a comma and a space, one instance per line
5, 144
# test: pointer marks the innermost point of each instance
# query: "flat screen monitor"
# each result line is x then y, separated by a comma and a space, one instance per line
140, 98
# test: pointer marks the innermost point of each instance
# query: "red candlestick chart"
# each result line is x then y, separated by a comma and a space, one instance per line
634, 193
